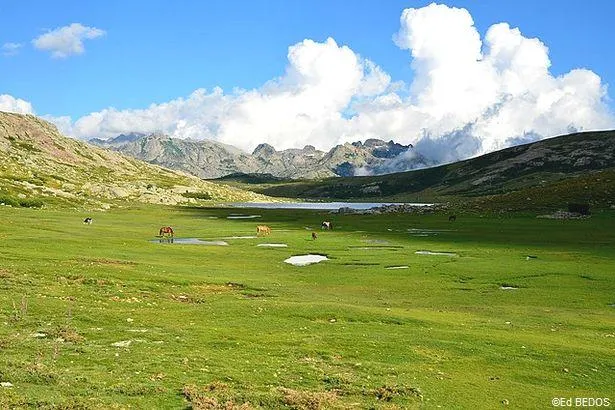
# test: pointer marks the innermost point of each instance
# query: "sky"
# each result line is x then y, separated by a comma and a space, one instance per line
455, 79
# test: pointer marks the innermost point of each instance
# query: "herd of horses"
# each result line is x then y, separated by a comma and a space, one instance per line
166, 232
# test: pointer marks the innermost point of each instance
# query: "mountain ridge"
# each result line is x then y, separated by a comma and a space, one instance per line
210, 159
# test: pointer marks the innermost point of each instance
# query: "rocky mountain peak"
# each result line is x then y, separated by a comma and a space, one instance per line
211, 159
263, 150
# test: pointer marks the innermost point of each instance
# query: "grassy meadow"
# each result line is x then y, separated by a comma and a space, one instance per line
99, 316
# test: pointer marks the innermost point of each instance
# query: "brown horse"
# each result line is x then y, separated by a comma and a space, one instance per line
166, 231
263, 229
314, 236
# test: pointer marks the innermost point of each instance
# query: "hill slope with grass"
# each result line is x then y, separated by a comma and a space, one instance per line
579, 167
41, 166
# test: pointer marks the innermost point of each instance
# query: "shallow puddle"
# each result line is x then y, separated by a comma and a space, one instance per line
242, 216
273, 245
240, 237
303, 260
435, 253
189, 241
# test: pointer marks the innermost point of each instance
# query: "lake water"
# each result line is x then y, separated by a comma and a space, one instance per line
317, 205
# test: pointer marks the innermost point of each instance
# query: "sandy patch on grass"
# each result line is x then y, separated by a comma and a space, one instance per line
303, 260
301, 399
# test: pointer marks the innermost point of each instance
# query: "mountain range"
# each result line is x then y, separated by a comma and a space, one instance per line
209, 159
41, 165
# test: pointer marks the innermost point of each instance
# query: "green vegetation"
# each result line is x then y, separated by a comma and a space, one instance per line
99, 316
197, 195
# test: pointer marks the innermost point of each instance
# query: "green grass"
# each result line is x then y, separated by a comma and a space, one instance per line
227, 325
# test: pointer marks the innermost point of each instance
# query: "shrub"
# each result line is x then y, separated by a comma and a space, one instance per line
31, 203
582, 209
197, 195
25, 203
8, 200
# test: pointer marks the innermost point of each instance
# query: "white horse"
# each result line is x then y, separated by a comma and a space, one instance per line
327, 225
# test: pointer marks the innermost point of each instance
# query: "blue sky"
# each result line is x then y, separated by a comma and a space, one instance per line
154, 52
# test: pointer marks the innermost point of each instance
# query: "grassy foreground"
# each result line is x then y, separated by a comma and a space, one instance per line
97, 316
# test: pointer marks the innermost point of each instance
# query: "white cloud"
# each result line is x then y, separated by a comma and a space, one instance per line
66, 41
10, 49
469, 95
11, 104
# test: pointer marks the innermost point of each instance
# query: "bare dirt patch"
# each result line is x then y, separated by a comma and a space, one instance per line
307, 400
213, 396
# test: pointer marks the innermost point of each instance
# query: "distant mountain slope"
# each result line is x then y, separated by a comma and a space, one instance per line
542, 163
209, 159
38, 162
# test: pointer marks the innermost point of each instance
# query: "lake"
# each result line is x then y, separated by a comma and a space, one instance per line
317, 205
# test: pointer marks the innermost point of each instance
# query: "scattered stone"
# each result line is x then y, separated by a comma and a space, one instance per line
419, 209
39, 335
122, 343
398, 267
6, 384
564, 215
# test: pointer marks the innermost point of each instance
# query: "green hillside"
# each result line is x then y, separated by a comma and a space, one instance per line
41, 166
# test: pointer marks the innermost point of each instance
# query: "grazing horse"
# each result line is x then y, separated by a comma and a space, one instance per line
314, 236
263, 229
326, 225
166, 232
88, 221
452, 218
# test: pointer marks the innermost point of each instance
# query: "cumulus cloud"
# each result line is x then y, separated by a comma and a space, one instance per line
10, 49
11, 104
66, 41
469, 95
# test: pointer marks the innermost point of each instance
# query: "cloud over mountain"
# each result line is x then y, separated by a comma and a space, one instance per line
468, 95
